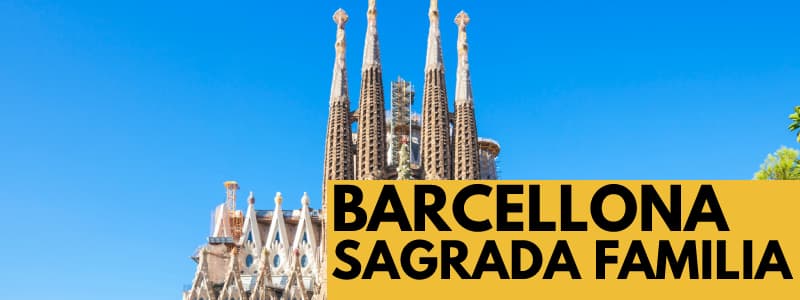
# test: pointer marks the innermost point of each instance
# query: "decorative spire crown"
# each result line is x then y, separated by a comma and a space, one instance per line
462, 19
463, 84
340, 17
339, 84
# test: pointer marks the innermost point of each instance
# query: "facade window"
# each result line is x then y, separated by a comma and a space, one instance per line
248, 261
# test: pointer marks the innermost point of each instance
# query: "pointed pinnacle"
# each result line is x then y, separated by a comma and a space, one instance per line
462, 19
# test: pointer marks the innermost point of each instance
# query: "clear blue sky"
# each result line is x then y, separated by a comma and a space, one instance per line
120, 120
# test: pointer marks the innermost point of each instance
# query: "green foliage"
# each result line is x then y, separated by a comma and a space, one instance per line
795, 117
784, 164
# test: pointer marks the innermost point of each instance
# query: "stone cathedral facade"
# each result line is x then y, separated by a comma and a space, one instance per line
280, 254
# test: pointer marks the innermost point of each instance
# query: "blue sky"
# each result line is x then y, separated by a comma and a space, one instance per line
120, 120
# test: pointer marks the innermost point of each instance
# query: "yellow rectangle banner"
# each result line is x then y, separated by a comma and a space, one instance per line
570, 239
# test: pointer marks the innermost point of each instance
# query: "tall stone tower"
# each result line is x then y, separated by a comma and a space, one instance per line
338, 142
371, 106
436, 147
338, 152
466, 164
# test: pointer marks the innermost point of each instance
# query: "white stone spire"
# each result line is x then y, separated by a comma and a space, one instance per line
339, 83
465, 150
372, 52
433, 58
338, 154
463, 83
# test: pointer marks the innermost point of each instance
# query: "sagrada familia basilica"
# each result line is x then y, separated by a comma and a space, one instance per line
280, 254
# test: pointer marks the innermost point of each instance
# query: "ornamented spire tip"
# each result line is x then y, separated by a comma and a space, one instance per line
462, 19
278, 199
340, 17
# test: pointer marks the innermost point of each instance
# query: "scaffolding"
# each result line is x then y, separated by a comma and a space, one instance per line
402, 99
235, 218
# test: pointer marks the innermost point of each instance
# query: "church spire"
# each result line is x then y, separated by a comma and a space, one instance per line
433, 59
436, 146
463, 84
466, 133
371, 107
338, 153
372, 53
339, 84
